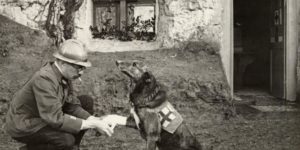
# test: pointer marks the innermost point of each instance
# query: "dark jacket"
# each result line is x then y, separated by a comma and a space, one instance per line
45, 99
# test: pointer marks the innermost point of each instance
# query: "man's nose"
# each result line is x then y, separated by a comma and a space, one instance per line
118, 62
81, 72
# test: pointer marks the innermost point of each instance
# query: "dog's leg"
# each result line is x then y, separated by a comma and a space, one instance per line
131, 122
152, 127
151, 145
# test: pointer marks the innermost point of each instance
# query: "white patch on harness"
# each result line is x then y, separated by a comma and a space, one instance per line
165, 110
166, 123
172, 116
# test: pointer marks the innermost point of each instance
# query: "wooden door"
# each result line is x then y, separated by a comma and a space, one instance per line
277, 48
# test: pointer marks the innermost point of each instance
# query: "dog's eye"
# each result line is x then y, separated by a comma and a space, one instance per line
134, 64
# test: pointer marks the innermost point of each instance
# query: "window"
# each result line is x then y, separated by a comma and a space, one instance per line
105, 16
125, 20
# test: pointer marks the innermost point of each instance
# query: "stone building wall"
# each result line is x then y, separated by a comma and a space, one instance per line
178, 22
83, 21
31, 13
189, 20
192, 25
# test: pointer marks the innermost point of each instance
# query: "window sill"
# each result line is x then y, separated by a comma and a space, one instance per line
99, 45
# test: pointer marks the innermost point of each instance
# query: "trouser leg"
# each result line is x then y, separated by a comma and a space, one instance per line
48, 138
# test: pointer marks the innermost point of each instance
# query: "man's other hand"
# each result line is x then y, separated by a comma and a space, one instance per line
99, 124
102, 126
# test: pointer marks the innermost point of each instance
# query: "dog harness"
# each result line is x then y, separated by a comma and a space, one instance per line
169, 117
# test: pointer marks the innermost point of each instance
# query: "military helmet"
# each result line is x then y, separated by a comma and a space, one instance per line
73, 51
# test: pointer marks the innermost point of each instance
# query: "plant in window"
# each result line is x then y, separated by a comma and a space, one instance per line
142, 28
137, 27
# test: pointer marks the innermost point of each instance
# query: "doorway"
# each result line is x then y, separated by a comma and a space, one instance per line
265, 46
279, 79
252, 54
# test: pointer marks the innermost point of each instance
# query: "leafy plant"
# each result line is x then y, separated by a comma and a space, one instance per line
137, 30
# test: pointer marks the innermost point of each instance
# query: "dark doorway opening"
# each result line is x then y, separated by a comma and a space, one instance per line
252, 45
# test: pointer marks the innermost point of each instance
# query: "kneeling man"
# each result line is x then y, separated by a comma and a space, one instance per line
44, 114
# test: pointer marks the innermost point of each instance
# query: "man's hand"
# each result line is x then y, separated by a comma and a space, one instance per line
98, 124
101, 126
92, 117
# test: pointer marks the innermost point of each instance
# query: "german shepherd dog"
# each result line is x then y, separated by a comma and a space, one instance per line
157, 120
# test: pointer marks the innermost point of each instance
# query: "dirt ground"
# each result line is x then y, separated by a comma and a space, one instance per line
196, 86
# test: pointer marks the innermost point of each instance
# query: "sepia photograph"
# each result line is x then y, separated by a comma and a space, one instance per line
149, 75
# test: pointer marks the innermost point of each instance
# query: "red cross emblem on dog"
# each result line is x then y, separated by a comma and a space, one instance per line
169, 117
166, 116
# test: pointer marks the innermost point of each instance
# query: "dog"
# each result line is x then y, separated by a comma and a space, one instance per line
152, 114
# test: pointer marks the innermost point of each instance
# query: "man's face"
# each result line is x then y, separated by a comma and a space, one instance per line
71, 71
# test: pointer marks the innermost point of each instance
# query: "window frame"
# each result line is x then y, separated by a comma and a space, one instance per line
117, 3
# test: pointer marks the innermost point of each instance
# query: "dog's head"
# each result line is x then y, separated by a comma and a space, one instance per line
133, 69
144, 89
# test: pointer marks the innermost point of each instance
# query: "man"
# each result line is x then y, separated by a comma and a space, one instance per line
45, 115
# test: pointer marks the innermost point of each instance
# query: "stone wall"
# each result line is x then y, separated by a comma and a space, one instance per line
83, 20
189, 25
179, 22
31, 13
190, 20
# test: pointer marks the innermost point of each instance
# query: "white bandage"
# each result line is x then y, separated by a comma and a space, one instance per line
115, 119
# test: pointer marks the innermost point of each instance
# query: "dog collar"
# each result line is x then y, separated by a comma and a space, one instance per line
152, 95
149, 98
152, 100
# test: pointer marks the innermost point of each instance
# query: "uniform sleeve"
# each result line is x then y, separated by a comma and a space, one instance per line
73, 105
76, 110
50, 106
